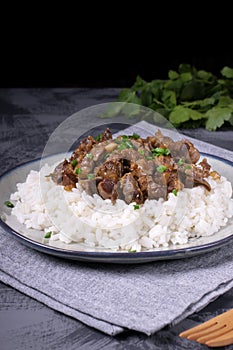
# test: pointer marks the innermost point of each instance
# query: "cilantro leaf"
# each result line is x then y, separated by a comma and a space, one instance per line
173, 74
187, 98
216, 117
227, 72
182, 114
169, 98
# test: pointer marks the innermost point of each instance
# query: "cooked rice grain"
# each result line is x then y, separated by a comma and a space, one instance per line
77, 217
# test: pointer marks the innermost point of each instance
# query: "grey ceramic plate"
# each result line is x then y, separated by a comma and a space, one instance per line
34, 239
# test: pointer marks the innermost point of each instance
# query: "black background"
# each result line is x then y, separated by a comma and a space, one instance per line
105, 71
111, 70
104, 52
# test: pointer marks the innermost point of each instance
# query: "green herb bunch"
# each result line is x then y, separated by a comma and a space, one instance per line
189, 98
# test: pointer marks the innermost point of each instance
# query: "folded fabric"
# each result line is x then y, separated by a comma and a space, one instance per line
113, 298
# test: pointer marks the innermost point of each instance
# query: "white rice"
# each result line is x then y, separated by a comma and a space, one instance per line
77, 217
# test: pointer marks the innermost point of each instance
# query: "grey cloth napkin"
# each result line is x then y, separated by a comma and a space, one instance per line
114, 298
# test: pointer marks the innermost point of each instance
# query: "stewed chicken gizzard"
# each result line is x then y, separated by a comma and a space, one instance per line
133, 168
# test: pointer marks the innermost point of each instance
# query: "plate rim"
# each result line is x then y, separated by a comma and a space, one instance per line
111, 256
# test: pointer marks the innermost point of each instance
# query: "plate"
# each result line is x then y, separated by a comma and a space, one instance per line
34, 239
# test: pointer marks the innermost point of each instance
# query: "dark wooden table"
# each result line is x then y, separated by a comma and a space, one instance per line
27, 118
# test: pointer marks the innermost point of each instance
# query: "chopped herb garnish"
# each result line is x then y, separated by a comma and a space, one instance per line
99, 137
48, 234
129, 144
78, 171
74, 163
187, 167
136, 206
121, 146
90, 176
126, 143
89, 155
161, 169
167, 151
141, 151
9, 204
149, 158
135, 136
174, 192
160, 151
132, 251
181, 161
125, 137
106, 155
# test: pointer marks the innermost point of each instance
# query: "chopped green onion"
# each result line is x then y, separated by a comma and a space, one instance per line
174, 192
125, 137
150, 158
136, 206
48, 234
135, 136
106, 155
121, 146
187, 167
160, 151
132, 251
78, 171
99, 137
167, 151
129, 144
141, 151
90, 176
125, 144
181, 161
161, 169
89, 155
74, 163
9, 204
